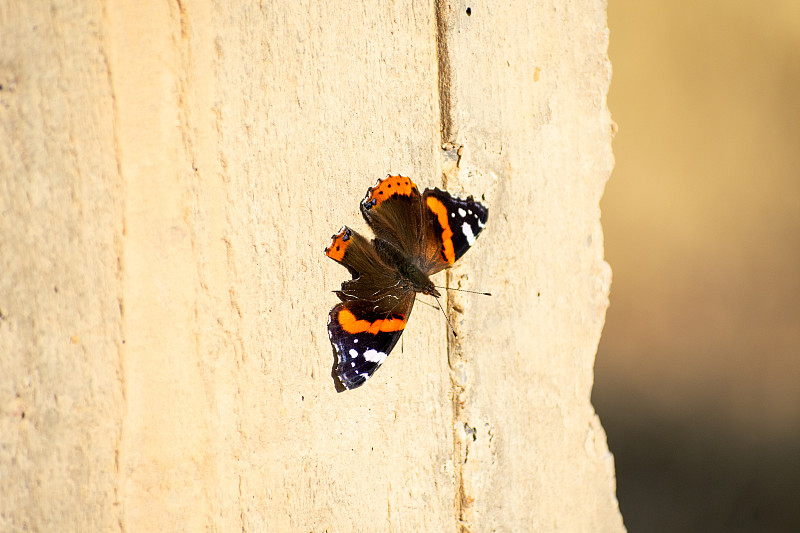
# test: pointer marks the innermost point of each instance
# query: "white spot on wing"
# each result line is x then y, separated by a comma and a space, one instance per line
461, 212
353, 353
466, 229
374, 356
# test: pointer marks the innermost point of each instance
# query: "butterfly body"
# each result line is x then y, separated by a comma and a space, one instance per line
411, 276
416, 235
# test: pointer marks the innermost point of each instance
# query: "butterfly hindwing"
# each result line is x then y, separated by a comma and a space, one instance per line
354, 251
393, 210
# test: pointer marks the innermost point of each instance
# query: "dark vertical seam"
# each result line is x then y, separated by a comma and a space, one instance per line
446, 131
444, 78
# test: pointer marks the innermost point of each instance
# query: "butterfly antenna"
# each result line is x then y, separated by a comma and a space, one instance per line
447, 319
463, 290
420, 300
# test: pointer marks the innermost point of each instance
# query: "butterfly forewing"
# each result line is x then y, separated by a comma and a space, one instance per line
453, 225
363, 337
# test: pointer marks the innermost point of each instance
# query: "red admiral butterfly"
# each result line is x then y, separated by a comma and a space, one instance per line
415, 237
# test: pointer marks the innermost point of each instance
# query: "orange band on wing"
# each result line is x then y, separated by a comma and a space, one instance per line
438, 208
351, 324
339, 244
389, 186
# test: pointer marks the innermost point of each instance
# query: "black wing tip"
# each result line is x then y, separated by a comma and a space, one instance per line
339, 372
337, 382
342, 384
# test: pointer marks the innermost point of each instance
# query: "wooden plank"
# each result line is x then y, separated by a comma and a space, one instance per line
193, 166
61, 391
527, 111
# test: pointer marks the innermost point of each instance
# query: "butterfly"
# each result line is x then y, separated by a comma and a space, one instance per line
416, 236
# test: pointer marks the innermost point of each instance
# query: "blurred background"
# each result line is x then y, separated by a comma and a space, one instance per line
698, 369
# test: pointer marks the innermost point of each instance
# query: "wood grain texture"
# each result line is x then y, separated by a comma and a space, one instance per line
61, 393
527, 96
198, 163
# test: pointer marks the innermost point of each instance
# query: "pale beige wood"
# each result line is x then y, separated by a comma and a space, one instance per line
177, 169
527, 101
61, 260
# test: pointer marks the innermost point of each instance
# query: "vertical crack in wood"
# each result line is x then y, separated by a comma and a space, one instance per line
119, 247
457, 389
443, 59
